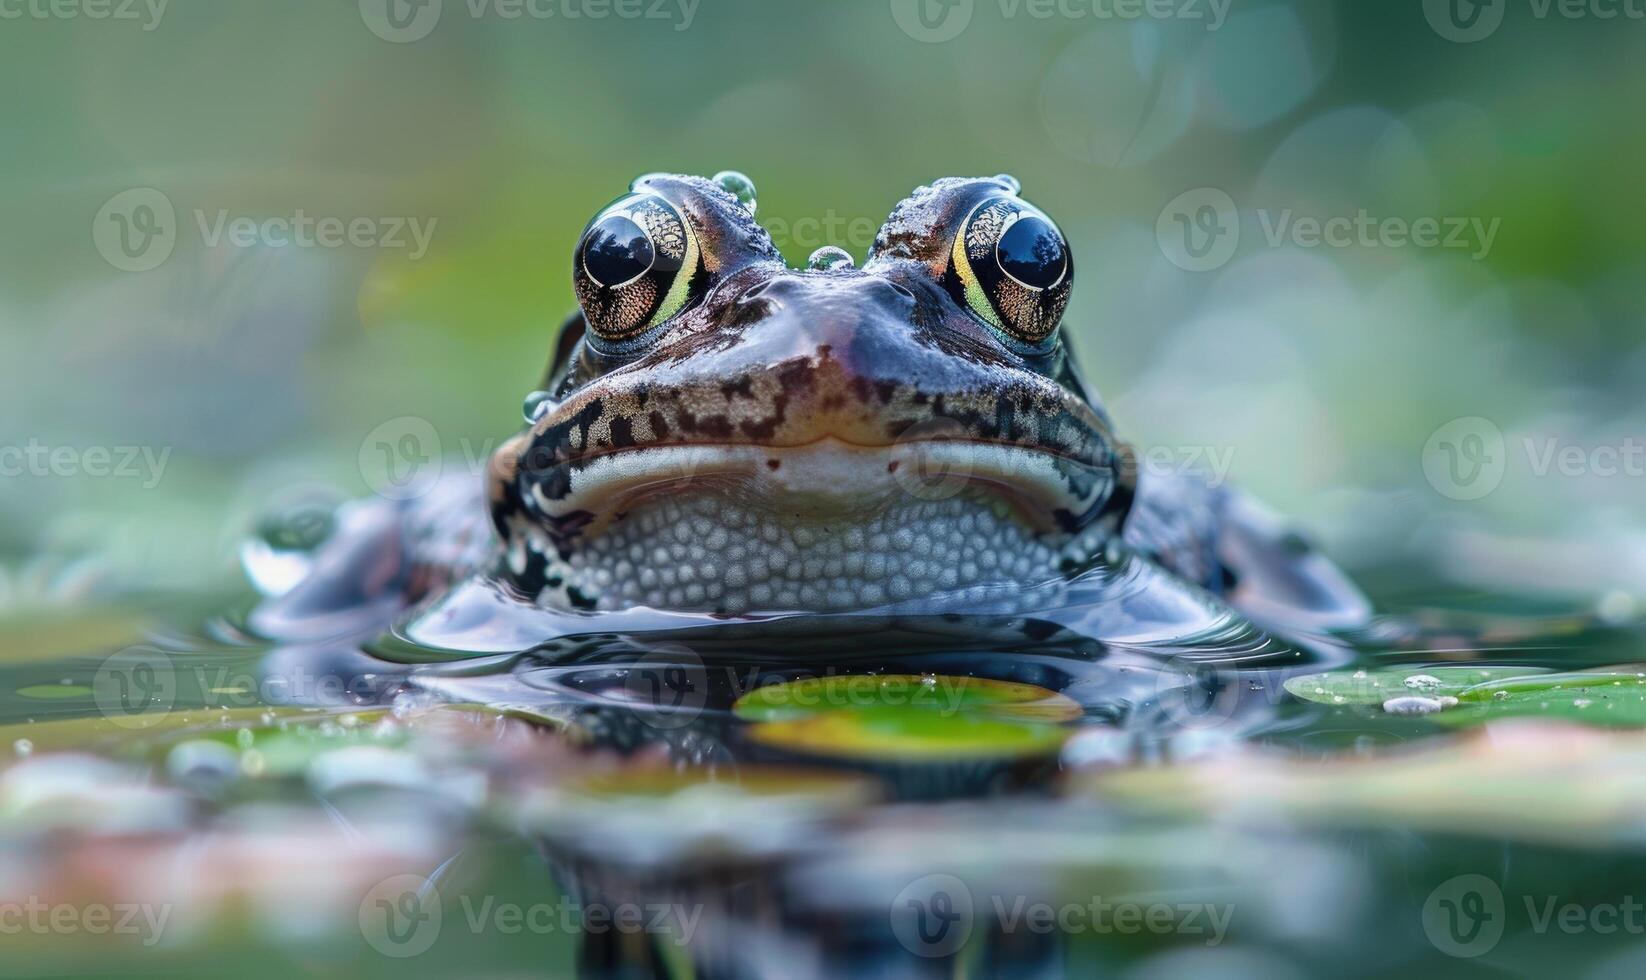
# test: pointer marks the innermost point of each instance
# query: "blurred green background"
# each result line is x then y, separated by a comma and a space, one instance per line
1320, 372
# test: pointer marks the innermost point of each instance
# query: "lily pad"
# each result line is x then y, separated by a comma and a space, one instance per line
911, 734
54, 692
1604, 698
1374, 687
909, 717
100, 734
1004, 700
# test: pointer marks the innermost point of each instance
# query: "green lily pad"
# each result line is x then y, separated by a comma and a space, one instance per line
911, 734
1373, 687
1003, 700
100, 734
54, 692
1607, 696
920, 717
1514, 687
1604, 698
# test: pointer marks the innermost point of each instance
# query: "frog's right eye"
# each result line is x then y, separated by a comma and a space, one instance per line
635, 267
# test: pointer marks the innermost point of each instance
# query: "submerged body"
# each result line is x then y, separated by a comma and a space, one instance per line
719, 434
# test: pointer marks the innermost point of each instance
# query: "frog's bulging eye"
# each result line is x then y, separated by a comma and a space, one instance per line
634, 267
1011, 267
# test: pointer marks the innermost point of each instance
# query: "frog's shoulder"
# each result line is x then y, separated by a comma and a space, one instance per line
378, 556
1233, 546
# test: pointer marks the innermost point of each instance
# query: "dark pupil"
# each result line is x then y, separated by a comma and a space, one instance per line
616, 250
1031, 252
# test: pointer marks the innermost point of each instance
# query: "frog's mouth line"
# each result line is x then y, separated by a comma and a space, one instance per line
827, 479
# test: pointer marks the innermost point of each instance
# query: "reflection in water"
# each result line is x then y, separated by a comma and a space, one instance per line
804, 796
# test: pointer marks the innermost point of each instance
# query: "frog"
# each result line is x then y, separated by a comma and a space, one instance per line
720, 437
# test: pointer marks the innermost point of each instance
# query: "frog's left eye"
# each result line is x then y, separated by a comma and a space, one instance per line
1011, 266
635, 267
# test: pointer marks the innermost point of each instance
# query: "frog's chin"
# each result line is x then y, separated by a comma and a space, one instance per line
827, 526
831, 480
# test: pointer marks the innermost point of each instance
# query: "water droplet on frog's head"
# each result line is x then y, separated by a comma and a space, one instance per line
1423, 682
830, 257
1009, 181
737, 185
535, 405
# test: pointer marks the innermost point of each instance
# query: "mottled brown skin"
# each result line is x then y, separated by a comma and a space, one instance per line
771, 356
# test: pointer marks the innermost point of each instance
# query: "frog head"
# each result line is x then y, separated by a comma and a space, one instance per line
720, 432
